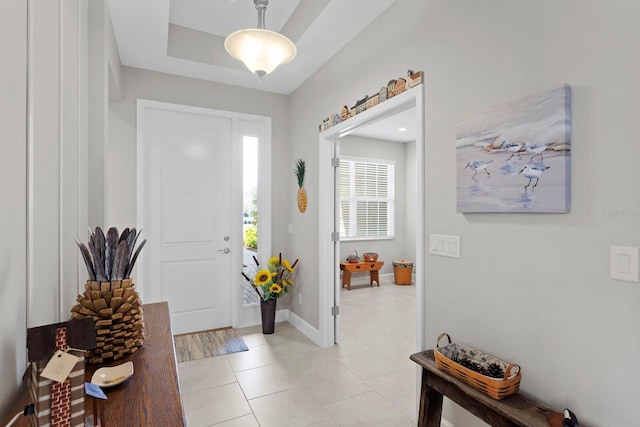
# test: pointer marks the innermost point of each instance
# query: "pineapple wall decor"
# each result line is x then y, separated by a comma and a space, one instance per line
302, 195
110, 297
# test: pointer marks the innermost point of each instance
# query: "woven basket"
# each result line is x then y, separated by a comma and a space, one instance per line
496, 388
353, 258
370, 256
402, 270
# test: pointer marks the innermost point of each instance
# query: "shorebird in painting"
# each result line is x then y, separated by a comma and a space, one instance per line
533, 170
536, 149
479, 165
512, 147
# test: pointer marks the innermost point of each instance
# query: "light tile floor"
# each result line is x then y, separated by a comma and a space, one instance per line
285, 380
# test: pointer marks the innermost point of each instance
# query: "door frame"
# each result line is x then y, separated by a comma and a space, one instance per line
240, 124
328, 254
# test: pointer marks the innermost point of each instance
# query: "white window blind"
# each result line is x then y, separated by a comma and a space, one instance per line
366, 198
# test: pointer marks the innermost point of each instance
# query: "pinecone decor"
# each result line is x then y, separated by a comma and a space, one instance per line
302, 194
470, 364
110, 297
494, 370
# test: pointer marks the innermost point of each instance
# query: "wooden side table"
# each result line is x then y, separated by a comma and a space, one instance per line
151, 397
373, 267
512, 411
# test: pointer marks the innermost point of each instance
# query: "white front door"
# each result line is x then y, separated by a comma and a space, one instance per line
187, 163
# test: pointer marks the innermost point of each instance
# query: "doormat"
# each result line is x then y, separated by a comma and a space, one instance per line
208, 344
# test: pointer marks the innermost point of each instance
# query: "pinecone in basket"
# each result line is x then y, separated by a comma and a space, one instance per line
459, 360
467, 363
473, 365
494, 370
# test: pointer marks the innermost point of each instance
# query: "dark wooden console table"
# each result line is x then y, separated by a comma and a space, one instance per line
512, 411
373, 267
151, 397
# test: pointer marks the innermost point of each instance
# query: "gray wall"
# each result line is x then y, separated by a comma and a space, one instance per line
399, 247
530, 288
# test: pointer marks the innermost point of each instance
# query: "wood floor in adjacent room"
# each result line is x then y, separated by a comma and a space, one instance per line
285, 380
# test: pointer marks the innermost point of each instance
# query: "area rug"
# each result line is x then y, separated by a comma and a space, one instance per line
205, 344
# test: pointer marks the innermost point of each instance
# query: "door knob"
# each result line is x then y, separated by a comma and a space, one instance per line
225, 250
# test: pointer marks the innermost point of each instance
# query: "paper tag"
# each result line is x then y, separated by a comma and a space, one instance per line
94, 390
60, 366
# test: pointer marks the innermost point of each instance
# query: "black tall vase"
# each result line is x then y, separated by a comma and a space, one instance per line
268, 311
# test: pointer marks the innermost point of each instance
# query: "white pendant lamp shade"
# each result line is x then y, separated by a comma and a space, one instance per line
261, 50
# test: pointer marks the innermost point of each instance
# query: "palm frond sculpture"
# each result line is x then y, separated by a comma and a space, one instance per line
110, 257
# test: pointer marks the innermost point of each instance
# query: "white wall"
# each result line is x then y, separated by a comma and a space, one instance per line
533, 289
99, 39
137, 83
530, 288
409, 210
54, 170
121, 152
13, 203
392, 249
42, 171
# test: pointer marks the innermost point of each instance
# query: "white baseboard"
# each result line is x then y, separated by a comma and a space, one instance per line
309, 331
254, 318
445, 423
281, 316
286, 315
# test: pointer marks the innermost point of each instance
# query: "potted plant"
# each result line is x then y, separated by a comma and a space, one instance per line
272, 282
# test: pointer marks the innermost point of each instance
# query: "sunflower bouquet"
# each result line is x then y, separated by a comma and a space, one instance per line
273, 280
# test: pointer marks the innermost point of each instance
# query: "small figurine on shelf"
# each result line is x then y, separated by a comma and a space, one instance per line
414, 78
361, 104
401, 86
344, 114
382, 94
326, 124
391, 88
373, 100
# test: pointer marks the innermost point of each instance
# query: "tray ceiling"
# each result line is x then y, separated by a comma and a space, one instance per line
185, 37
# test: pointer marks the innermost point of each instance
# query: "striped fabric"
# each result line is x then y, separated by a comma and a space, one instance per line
58, 404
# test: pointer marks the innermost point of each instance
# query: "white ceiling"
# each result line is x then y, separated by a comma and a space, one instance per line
185, 37
388, 129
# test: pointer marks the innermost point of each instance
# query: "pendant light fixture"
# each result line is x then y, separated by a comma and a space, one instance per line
261, 50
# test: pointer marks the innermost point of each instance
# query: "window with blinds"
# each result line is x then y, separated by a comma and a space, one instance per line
366, 198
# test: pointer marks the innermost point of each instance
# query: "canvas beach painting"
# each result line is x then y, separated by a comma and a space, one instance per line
516, 156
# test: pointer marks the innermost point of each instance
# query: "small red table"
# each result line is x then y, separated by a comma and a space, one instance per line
373, 267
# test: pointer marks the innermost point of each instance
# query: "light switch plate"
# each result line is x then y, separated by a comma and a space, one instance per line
624, 263
443, 245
